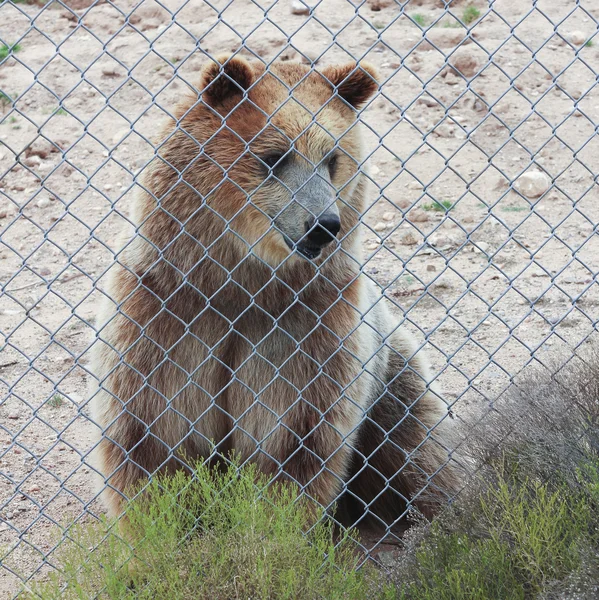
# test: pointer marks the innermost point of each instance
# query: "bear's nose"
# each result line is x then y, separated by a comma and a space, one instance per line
322, 231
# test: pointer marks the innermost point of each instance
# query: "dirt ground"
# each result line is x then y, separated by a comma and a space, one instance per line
492, 281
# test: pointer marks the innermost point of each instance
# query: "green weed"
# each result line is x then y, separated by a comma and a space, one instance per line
420, 19
589, 43
439, 206
222, 534
452, 24
56, 401
60, 112
515, 208
470, 14
6, 50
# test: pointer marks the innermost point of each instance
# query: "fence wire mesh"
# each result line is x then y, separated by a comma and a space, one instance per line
479, 225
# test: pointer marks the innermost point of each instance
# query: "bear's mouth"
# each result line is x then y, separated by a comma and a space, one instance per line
308, 251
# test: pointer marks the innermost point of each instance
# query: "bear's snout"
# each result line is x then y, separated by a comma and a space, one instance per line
322, 231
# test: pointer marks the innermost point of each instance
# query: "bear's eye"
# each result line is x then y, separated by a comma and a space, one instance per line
272, 160
332, 165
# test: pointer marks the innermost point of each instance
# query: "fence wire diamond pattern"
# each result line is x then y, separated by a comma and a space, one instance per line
481, 218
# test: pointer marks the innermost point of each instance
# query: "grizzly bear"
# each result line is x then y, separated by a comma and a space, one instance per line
238, 318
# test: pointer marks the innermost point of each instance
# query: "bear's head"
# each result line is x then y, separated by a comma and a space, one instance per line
274, 154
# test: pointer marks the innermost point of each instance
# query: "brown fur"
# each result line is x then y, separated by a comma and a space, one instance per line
220, 336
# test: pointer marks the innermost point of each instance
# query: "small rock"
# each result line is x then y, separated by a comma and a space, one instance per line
34, 488
13, 415
32, 161
9, 516
533, 184
431, 268
374, 170
577, 38
465, 62
501, 184
451, 79
299, 8
371, 246
408, 239
3, 213
377, 5
439, 240
108, 187
444, 131
576, 94
428, 101
309, 57
380, 226
120, 135
388, 216
414, 185
484, 247
418, 216
43, 202
468, 219
44, 271
42, 148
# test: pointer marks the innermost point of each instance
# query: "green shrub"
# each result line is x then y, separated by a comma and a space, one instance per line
527, 526
221, 534
470, 14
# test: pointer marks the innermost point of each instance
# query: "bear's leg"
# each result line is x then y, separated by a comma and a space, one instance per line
125, 456
399, 457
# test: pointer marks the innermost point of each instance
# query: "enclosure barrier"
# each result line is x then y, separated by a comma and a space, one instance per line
481, 218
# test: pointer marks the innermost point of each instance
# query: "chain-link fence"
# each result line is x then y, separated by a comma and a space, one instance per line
474, 188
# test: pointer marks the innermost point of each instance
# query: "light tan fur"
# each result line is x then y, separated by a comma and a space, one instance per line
214, 332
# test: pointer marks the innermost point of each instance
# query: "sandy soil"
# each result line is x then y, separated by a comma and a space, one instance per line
496, 282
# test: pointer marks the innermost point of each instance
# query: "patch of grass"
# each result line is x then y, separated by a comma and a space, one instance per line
589, 43
452, 24
470, 14
60, 112
527, 526
442, 206
515, 208
378, 24
523, 537
56, 401
420, 19
222, 534
6, 50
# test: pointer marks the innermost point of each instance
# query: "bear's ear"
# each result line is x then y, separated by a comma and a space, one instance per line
354, 82
226, 77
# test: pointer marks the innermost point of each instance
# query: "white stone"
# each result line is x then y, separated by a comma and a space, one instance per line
533, 184
380, 226
299, 8
578, 38
388, 216
414, 185
43, 202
